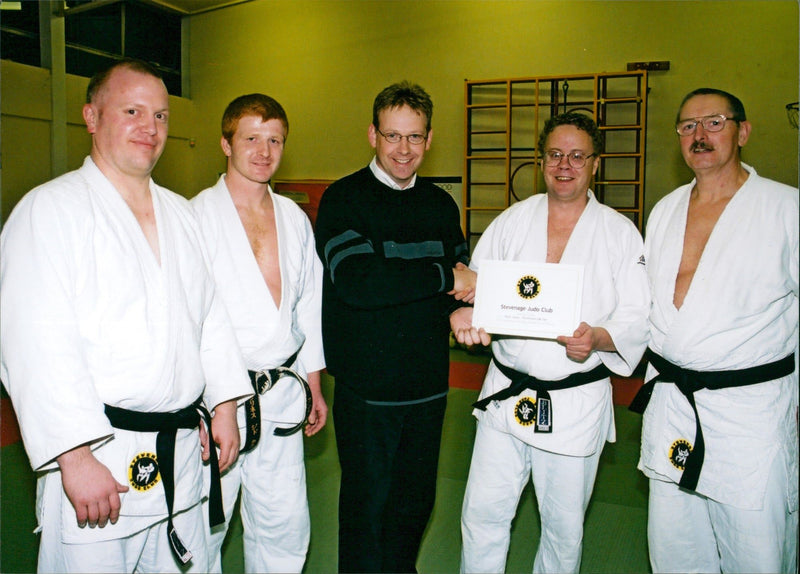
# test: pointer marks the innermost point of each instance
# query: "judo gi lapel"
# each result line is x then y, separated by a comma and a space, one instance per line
280, 219
528, 240
582, 238
127, 256
716, 268
240, 250
128, 231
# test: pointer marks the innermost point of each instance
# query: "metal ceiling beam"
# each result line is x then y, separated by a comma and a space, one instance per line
182, 7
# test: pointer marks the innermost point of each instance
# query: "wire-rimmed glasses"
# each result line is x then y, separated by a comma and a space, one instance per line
394, 138
715, 123
576, 159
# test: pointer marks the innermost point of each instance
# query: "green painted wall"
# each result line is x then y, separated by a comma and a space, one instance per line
325, 60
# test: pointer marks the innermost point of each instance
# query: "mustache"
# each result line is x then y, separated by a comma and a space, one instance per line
700, 145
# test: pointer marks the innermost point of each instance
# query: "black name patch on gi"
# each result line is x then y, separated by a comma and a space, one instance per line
143, 471
525, 411
679, 452
528, 287
543, 415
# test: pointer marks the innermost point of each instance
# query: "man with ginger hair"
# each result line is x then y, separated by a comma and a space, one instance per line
269, 276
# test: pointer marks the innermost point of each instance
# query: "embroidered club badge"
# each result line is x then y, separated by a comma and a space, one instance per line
143, 471
679, 452
525, 411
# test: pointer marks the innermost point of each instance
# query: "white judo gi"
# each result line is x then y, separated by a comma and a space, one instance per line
274, 505
741, 310
90, 317
562, 463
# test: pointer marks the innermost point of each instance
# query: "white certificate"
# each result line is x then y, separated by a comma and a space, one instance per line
528, 299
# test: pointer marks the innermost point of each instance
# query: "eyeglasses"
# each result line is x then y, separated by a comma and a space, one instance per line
714, 123
393, 138
576, 159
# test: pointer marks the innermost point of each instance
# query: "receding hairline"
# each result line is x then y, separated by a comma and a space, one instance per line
732, 102
693, 97
99, 82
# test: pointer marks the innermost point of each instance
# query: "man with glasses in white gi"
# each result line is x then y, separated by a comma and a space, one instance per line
517, 437
719, 441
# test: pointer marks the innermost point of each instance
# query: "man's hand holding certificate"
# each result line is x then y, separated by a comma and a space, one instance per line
528, 299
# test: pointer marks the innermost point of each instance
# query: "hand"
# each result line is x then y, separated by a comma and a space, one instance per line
586, 339
90, 487
319, 408
204, 441
464, 280
226, 433
465, 333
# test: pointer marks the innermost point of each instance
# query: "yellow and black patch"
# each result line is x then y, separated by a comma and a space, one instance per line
528, 287
679, 452
525, 411
143, 471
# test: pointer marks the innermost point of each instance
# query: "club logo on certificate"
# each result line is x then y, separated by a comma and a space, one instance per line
528, 287
523, 299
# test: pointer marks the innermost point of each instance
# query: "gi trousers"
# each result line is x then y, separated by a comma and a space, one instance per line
271, 481
500, 469
388, 456
145, 551
688, 532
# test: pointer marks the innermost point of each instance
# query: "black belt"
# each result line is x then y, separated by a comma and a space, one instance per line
689, 381
262, 382
522, 381
167, 425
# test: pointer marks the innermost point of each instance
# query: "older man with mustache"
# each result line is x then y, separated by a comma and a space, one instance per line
719, 441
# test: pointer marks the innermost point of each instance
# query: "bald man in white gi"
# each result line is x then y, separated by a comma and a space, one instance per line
269, 275
719, 441
514, 443
111, 335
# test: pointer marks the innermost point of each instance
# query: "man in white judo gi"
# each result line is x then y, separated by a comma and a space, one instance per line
270, 278
719, 441
111, 331
571, 374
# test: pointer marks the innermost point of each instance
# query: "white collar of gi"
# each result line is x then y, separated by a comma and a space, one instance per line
384, 178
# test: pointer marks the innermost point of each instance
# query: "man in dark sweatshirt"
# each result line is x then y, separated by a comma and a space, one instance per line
394, 257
